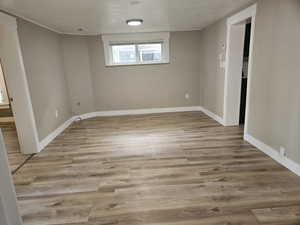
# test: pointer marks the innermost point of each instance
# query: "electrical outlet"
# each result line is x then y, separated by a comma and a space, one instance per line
223, 64
282, 152
56, 113
187, 96
223, 47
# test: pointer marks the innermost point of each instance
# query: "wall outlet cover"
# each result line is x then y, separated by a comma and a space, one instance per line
223, 64
282, 152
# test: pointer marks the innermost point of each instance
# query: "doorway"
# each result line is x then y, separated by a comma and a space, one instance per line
6, 114
240, 36
244, 76
16, 83
7, 125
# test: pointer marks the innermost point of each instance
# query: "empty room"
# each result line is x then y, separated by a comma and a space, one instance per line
139, 112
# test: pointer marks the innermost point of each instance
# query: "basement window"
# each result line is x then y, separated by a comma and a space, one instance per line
136, 49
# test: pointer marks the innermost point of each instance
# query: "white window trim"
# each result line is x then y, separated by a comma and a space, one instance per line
136, 38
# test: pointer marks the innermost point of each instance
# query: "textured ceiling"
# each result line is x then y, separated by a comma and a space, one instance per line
109, 16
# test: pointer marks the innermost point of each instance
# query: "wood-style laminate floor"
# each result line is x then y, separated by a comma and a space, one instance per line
163, 169
15, 157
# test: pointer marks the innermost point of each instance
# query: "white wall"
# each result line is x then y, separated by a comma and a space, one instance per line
13, 67
148, 86
3, 220
9, 212
274, 115
3, 88
43, 60
235, 48
78, 73
275, 107
101, 88
212, 40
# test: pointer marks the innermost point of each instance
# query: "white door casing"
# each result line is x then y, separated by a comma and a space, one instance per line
234, 61
14, 71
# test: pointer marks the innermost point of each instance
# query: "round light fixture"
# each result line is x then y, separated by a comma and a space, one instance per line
135, 2
134, 22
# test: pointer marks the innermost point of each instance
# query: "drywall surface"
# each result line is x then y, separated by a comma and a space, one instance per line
148, 86
13, 67
3, 220
213, 40
43, 60
8, 200
3, 94
67, 74
274, 106
275, 92
77, 68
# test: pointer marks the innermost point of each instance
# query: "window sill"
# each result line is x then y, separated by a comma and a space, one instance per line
137, 64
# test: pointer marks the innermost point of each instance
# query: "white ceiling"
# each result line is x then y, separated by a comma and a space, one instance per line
109, 16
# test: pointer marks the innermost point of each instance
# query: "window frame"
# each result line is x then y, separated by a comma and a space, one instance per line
136, 39
137, 53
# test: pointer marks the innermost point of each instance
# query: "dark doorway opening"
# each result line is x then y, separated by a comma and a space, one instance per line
245, 73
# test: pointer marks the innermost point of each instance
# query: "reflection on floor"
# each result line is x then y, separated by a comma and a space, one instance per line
15, 157
165, 169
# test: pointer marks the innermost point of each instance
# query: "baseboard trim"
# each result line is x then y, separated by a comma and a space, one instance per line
138, 112
212, 115
47, 140
61, 128
286, 162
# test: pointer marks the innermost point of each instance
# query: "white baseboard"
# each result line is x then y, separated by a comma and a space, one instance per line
286, 162
47, 140
60, 129
212, 115
139, 112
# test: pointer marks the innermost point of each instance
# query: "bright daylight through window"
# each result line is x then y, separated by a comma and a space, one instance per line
136, 49
123, 54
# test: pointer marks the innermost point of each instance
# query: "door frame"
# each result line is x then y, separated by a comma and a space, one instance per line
229, 92
17, 85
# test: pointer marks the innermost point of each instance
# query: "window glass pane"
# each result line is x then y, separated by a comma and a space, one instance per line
150, 52
124, 53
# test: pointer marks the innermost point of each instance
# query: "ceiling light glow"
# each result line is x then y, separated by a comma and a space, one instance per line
134, 22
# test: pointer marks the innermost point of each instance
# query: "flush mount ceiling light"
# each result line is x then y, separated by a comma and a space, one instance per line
134, 22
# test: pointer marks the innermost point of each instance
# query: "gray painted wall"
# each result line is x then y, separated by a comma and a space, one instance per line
68, 74
275, 109
274, 113
44, 66
78, 73
132, 87
194, 69
148, 86
212, 75
9, 211
3, 220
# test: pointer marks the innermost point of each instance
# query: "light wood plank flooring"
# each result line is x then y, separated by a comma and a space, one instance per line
164, 169
15, 157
